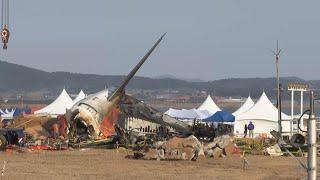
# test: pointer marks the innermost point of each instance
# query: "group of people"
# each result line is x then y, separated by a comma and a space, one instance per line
208, 131
148, 129
249, 127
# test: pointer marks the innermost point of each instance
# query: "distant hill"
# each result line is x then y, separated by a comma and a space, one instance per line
17, 78
253, 86
169, 76
165, 76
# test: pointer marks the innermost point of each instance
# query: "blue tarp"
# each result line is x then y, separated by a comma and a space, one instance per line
26, 110
19, 111
221, 116
16, 112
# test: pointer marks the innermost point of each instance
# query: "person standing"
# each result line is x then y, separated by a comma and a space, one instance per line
250, 128
245, 132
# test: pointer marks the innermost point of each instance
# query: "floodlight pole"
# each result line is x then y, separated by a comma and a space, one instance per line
296, 87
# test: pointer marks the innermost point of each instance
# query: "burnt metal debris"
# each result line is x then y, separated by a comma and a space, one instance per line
96, 120
86, 116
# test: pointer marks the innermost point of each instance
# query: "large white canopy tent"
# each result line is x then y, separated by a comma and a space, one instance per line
187, 114
245, 107
80, 96
58, 106
209, 105
264, 116
182, 113
205, 110
203, 114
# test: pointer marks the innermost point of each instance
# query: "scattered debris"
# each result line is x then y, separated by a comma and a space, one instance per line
217, 148
3, 168
274, 150
176, 148
187, 148
11, 136
245, 162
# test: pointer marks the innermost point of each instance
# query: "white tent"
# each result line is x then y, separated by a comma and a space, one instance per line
172, 112
188, 113
103, 95
209, 105
8, 114
245, 107
80, 96
58, 106
182, 114
264, 115
203, 114
206, 109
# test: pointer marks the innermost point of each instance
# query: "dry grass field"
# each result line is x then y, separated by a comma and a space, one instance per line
110, 164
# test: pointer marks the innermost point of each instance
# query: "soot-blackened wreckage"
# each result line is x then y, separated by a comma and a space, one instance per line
86, 117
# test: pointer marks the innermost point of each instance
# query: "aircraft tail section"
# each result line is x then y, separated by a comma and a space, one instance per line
135, 69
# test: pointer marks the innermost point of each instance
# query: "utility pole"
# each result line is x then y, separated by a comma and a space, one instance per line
277, 54
312, 141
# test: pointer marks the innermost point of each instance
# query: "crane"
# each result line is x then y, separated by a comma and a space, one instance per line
5, 34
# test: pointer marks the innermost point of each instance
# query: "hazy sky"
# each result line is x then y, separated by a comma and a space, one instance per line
205, 39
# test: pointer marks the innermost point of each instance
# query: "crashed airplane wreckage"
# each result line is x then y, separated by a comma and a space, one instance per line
95, 121
90, 118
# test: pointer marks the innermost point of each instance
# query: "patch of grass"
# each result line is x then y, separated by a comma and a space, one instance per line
254, 146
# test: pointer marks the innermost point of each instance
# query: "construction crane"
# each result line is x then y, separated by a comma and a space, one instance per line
5, 34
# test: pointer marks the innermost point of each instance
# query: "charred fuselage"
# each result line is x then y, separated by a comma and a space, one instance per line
85, 117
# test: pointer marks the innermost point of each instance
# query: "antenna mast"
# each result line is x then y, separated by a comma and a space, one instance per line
277, 55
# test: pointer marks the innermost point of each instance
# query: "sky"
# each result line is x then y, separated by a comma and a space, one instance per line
206, 39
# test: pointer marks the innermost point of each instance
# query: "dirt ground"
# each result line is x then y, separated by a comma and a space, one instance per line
110, 164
